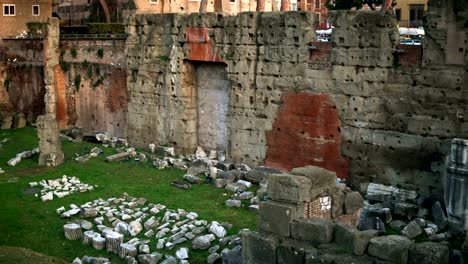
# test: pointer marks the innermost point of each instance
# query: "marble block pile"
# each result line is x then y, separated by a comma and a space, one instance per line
127, 226
60, 187
384, 203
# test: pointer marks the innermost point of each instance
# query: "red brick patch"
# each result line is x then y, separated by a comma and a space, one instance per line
306, 132
201, 47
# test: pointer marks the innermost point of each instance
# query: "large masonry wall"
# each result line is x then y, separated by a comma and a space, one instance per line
99, 103
362, 107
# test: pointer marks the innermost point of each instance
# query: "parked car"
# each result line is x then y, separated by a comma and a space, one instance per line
324, 39
411, 42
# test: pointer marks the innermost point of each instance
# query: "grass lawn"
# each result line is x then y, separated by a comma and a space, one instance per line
27, 222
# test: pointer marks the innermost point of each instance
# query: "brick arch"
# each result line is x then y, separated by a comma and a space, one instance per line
306, 132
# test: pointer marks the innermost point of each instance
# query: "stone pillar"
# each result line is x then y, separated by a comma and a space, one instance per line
47, 125
285, 5
203, 5
456, 184
222, 6
260, 5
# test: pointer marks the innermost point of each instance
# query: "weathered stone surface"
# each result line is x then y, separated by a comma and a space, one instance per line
439, 216
286, 254
353, 202
397, 224
258, 248
429, 252
393, 248
344, 237
412, 230
261, 173
289, 188
319, 177
372, 223
361, 241
233, 203
201, 242
317, 231
276, 217
47, 125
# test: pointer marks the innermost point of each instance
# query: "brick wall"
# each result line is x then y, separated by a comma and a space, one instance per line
410, 55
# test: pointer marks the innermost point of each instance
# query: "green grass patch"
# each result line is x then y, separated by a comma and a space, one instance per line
25, 221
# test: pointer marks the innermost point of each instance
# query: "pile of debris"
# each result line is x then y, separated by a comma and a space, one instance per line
22, 155
384, 203
117, 224
92, 154
60, 187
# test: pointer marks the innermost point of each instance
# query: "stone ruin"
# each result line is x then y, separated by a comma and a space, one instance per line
312, 218
47, 125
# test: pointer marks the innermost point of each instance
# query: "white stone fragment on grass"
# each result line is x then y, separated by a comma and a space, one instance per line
182, 253
70, 213
217, 229
192, 215
160, 243
201, 242
149, 233
60, 210
135, 228
144, 249
244, 183
47, 197
33, 184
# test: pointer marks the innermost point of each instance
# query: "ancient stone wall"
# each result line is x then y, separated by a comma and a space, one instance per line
97, 66
366, 108
263, 52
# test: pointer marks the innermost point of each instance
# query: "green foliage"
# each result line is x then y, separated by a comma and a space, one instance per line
64, 65
36, 29
349, 4
100, 53
106, 28
164, 58
98, 82
77, 82
89, 72
6, 84
98, 69
25, 221
73, 52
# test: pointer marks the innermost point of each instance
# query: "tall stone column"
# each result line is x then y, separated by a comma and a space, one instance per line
203, 6
260, 5
47, 126
285, 5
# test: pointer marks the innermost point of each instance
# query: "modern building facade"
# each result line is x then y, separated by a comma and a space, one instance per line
410, 13
17, 13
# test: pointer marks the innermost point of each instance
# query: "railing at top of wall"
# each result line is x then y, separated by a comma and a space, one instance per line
93, 36
75, 36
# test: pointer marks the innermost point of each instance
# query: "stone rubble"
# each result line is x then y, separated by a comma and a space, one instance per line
60, 187
383, 202
22, 155
92, 154
169, 228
